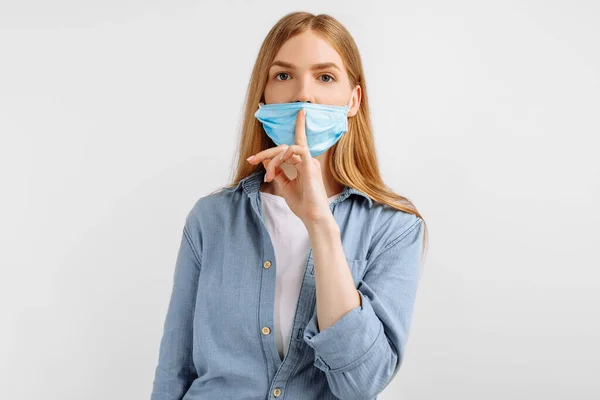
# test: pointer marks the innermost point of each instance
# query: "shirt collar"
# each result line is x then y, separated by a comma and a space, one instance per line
251, 185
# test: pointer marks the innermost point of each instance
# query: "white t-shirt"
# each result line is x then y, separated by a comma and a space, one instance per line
291, 244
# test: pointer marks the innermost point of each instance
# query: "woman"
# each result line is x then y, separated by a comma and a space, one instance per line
297, 280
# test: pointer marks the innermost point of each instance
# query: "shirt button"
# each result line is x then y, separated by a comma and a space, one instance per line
267, 264
266, 330
276, 392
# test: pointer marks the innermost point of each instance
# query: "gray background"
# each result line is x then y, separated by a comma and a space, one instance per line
116, 116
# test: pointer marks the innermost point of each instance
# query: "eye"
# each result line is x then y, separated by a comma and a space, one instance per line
329, 76
280, 73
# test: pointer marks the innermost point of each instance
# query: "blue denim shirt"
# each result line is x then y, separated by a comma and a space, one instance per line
218, 340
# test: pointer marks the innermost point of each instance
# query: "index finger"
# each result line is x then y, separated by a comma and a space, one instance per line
301, 128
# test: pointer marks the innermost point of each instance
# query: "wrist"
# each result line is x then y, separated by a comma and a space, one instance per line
324, 225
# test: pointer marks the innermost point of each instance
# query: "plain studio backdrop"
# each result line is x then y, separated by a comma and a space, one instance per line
116, 116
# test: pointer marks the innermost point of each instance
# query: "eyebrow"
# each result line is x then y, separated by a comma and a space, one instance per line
313, 67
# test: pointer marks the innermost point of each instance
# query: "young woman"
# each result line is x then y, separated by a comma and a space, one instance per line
298, 279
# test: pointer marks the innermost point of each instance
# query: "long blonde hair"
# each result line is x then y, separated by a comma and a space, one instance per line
353, 161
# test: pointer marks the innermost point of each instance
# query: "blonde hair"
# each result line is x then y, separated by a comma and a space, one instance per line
353, 160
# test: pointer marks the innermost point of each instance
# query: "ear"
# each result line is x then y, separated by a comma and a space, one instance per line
356, 99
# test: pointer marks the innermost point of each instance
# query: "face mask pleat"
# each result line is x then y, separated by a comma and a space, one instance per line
325, 124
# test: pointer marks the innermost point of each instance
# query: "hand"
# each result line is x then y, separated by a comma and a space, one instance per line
306, 195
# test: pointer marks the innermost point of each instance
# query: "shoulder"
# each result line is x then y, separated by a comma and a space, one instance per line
393, 225
393, 219
210, 208
207, 215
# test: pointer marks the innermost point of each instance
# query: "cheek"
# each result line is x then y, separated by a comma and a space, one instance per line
275, 94
332, 99
266, 92
270, 93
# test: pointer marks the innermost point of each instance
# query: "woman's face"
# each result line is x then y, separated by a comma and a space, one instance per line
295, 74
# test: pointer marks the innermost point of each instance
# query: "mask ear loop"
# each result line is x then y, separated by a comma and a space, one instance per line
349, 105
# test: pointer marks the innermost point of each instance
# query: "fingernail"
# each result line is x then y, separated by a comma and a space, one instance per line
249, 158
304, 112
265, 177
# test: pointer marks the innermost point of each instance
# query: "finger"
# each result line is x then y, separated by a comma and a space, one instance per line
265, 163
289, 157
271, 168
301, 127
293, 160
281, 178
274, 165
299, 151
268, 153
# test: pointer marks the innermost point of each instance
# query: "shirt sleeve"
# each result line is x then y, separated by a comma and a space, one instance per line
175, 371
361, 352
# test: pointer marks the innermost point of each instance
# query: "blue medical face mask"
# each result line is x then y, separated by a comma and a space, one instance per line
325, 124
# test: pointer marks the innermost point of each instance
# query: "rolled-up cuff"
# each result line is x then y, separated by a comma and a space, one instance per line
347, 342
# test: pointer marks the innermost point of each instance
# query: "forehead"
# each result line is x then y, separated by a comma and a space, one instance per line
306, 49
